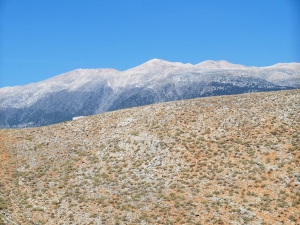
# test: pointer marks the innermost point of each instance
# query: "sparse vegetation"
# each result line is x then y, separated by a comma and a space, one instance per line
218, 160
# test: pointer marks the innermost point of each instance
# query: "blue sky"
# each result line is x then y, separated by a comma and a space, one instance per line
42, 39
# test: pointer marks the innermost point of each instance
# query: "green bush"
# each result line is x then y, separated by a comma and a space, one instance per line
2, 204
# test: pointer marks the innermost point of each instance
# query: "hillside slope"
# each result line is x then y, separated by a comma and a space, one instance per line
216, 160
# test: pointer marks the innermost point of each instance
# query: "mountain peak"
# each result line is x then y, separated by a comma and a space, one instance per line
211, 64
155, 64
151, 65
156, 60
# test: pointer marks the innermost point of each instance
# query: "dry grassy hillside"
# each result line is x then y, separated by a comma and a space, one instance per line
218, 160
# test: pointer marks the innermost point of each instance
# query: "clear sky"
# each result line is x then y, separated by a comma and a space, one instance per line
40, 39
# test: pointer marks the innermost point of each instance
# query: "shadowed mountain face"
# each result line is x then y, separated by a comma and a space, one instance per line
92, 91
216, 160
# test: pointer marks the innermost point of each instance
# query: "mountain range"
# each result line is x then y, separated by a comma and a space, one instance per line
84, 92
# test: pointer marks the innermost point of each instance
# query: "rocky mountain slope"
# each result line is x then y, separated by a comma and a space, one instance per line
91, 91
216, 160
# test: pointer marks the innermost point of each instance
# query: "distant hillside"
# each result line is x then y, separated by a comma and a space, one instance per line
217, 160
85, 92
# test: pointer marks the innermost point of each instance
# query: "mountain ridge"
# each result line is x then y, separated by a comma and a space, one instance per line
91, 91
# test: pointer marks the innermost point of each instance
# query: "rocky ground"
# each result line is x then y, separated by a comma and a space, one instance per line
217, 160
